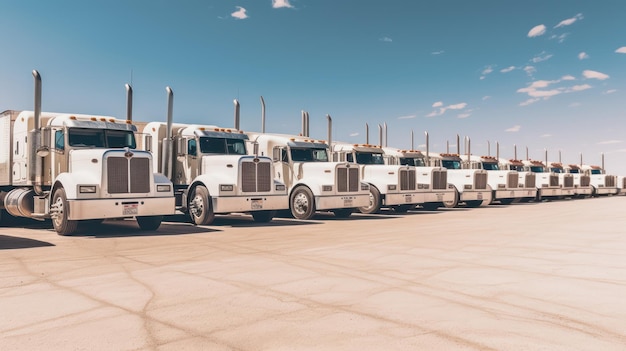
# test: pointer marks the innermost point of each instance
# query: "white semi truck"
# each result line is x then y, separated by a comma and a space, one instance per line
314, 183
602, 183
546, 182
391, 186
470, 185
526, 178
505, 183
72, 168
566, 180
582, 182
432, 182
212, 171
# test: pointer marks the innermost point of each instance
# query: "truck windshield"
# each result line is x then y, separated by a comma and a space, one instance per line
490, 166
536, 169
596, 171
369, 158
451, 164
412, 161
574, 171
309, 155
101, 138
516, 168
556, 170
222, 146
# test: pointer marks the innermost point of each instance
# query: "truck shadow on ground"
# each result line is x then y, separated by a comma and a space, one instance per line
8, 242
129, 228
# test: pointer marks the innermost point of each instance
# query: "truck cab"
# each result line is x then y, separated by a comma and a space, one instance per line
470, 185
505, 183
566, 180
391, 186
602, 183
582, 182
432, 182
526, 179
87, 168
313, 182
546, 182
213, 172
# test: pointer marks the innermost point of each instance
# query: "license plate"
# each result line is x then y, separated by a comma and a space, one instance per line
408, 198
257, 204
130, 210
347, 202
479, 196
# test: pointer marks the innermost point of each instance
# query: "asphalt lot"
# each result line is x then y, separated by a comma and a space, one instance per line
549, 276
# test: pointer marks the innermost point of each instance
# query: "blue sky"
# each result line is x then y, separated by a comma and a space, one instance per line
538, 74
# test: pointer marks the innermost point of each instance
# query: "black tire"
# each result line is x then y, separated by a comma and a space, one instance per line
474, 203
200, 206
302, 203
149, 222
506, 201
60, 210
454, 203
343, 212
263, 216
431, 206
375, 202
403, 208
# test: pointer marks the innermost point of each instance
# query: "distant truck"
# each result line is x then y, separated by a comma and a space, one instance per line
470, 185
527, 179
582, 182
72, 168
566, 180
432, 182
505, 183
546, 182
212, 172
602, 183
391, 186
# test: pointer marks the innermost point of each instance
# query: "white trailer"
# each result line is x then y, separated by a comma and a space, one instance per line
526, 179
432, 182
602, 183
314, 183
505, 183
470, 185
72, 168
212, 171
546, 182
391, 186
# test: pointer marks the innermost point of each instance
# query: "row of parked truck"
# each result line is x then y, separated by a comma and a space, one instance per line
73, 168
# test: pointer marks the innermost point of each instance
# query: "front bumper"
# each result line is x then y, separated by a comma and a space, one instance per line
230, 204
550, 192
516, 193
119, 208
607, 191
474, 195
587, 190
341, 201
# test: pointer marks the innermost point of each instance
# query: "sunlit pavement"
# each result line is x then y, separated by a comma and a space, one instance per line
548, 276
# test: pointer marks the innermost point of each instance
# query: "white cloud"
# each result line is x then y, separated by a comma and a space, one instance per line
515, 128
487, 70
537, 31
541, 57
386, 39
607, 142
407, 117
589, 74
583, 55
560, 37
621, 50
457, 106
569, 21
508, 69
437, 52
464, 115
546, 135
438, 104
442, 109
240, 13
568, 77
536, 90
580, 87
354, 134
610, 91
528, 102
281, 3
530, 70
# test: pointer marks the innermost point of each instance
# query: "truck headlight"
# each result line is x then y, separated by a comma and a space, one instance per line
391, 187
162, 188
501, 186
227, 187
87, 189
467, 186
327, 188
280, 187
365, 187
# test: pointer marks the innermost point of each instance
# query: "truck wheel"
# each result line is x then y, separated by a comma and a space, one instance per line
343, 212
200, 208
474, 203
149, 222
454, 203
302, 203
375, 204
263, 216
59, 211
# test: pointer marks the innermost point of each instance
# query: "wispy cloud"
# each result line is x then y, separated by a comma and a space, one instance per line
486, 71
583, 55
560, 38
529, 101
240, 13
386, 39
589, 74
281, 3
508, 69
543, 56
354, 134
407, 117
610, 91
580, 87
568, 77
569, 21
515, 128
530, 70
608, 142
442, 109
621, 50
464, 115
437, 52
438, 104
537, 90
537, 31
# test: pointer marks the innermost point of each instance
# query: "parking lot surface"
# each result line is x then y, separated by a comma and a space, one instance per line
537, 276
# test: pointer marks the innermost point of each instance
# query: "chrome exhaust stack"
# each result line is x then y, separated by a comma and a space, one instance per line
330, 131
129, 103
498, 152
412, 140
385, 126
262, 115
167, 161
515, 151
36, 152
367, 134
380, 135
237, 107
427, 149
458, 145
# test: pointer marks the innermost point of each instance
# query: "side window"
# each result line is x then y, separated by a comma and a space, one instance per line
349, 157
283, 155
59, 140
191, 147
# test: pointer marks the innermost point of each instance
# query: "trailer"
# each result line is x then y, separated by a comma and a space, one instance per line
212, 170
74, 167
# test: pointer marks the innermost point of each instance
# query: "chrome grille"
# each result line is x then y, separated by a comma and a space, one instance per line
121, 181
568, 181
407, 179
609, 181
530, 180
513, 180
480, 181
554, 180
585, 180
440, 179
256, 177
348, 179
